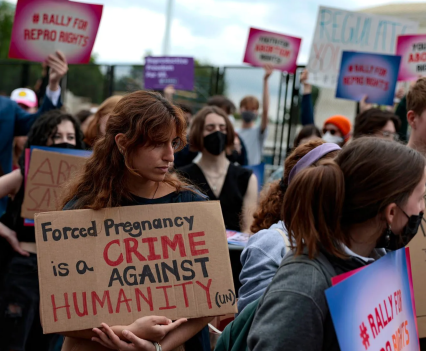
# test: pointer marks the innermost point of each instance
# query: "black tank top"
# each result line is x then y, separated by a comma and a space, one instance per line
232, 195
12, 217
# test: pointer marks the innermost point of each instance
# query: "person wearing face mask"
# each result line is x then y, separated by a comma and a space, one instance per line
378, 187
238, 152
19, 307
16, 121
337, 130
253, 135
234, 186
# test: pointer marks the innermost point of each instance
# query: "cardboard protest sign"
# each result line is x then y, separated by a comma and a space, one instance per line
162, 71
368, 74
47, 171
417, 248
373, 309
74, 152
412, 49
41, 27
276, 49
339, 30
118, 264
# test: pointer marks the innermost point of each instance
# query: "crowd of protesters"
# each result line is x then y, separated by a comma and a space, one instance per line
147, 150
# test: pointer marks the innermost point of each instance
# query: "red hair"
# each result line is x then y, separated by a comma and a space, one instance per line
92, 132
269, 209
145, 118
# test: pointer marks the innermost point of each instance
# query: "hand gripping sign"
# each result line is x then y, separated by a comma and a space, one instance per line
41, 27
118, 264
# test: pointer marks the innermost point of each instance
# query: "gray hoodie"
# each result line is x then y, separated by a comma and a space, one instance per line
293, 314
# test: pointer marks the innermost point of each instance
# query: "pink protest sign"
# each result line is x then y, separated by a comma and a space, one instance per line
41, 27
276, 49
412, 49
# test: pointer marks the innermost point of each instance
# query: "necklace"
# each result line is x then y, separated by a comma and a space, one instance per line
214, 182
158, 185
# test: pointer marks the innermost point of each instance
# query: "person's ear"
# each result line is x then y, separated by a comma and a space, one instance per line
390, 212
120, 140
411, 118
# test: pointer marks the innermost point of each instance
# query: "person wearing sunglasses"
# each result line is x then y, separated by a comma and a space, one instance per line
337, 130
378, 123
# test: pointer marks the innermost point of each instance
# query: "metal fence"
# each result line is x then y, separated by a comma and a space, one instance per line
96, 82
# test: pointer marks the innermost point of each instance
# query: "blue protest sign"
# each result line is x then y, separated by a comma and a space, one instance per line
368, 74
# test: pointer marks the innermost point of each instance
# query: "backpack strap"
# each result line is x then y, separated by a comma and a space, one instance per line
284, 235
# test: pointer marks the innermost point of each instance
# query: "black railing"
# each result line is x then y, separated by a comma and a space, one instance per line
96, 82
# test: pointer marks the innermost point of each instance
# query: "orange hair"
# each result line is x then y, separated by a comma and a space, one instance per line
145, 118
106, 108
271, 199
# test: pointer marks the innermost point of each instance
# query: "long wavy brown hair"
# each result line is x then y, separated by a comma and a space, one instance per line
92, 132
145, 118
271, 199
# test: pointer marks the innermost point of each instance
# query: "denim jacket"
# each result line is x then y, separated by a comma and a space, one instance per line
260, 260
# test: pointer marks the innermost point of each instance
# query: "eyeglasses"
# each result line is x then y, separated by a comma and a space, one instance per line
388, 135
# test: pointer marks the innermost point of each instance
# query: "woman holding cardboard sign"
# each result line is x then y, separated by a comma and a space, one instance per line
130, 166
19, 312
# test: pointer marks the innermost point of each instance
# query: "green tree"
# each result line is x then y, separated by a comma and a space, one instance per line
87, 81
6, 21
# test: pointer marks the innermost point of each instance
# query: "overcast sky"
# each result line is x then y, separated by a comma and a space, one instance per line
214, 31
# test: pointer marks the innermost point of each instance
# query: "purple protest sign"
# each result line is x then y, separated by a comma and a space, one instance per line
162, 71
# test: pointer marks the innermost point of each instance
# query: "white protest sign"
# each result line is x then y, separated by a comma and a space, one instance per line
339, 30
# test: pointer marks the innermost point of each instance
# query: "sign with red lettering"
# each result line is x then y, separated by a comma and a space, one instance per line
118, 264
412, 49
41, 27
374, 308
48, 171
271, 48
368, 74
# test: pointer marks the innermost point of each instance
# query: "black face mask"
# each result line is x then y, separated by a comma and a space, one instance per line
392, 241
64, 146
215, 143
233, 157
248, 116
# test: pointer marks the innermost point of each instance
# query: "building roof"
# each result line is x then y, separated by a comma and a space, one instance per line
412, 11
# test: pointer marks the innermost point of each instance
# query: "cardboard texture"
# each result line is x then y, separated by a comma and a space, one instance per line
118, 264
417, 248
47, 172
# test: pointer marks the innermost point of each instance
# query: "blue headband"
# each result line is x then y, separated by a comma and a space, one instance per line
311, 157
